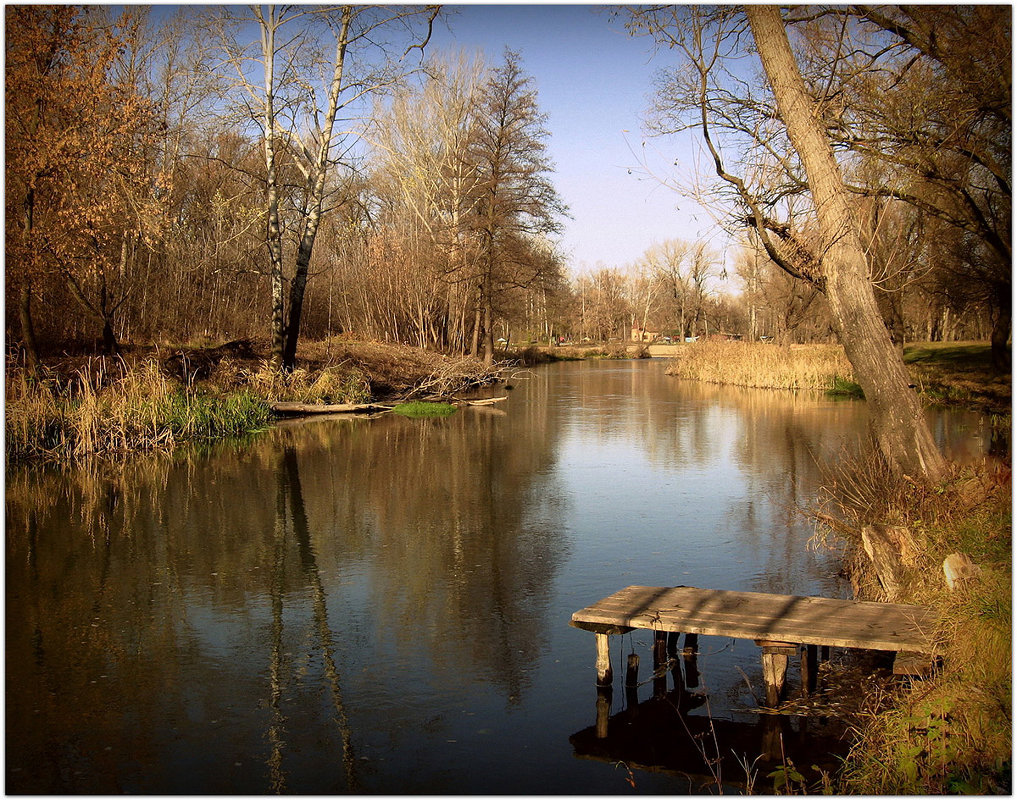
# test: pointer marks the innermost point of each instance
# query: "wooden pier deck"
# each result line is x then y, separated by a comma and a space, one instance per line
779, 623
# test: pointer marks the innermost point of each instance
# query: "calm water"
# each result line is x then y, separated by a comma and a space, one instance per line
382, 605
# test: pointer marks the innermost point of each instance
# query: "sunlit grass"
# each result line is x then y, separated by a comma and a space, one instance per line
424, 409
764, 366
950, 733
104, 411
959, 373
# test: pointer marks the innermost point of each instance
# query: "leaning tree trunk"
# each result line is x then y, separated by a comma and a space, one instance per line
1001, 328
317, 174
896, 413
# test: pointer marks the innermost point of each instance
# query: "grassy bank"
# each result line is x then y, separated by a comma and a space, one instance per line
959, 373
103, 411
950, 733
764, 366
948, 373
157, 398
543, 354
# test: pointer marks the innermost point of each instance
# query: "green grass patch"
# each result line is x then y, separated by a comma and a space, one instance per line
845, 388
417, 409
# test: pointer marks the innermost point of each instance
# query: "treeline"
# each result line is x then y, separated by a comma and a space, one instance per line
230, 173
675, 289
225, 172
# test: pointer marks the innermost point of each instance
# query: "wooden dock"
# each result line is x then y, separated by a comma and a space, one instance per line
780, 624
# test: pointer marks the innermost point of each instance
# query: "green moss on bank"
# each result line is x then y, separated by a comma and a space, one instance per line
424, 409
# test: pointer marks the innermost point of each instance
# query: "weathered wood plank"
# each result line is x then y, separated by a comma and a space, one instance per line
764, 616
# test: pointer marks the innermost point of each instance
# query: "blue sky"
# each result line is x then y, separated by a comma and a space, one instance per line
594, 83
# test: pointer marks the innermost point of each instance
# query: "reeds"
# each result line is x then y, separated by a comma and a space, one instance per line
342, 383
764, 366
111, 408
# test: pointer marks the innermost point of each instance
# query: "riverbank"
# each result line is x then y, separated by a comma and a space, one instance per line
158, 397
951, 732
945, 373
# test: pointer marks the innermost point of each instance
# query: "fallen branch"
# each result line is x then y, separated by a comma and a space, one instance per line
286, 407
479, 401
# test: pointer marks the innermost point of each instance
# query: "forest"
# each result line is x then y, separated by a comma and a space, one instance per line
286, 173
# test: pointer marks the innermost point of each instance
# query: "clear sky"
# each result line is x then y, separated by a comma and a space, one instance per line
594, 82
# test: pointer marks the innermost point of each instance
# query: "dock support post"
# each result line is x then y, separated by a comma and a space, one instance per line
604, 673
659, 661
672, 642
810, 668
632, 681
774, 674
775, 656
689, 656
632, 671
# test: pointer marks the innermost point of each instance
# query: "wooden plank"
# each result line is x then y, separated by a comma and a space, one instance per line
765, 616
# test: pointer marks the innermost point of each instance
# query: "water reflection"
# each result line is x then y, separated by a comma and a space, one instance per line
382, 605
151, 605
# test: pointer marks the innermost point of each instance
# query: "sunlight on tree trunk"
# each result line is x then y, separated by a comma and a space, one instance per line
897, 416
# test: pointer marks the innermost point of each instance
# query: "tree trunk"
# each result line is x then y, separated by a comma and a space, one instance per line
28, 328
317, 174
274, 230
1001, 329
488, 330
897, 419
477, 324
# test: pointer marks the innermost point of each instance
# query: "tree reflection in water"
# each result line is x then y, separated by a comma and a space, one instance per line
382, 605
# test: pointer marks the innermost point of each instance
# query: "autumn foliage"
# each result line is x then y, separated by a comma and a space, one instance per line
81, 198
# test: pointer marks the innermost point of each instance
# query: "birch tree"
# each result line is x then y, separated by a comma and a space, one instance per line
316, 64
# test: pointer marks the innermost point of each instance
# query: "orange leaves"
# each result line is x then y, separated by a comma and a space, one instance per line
75, 141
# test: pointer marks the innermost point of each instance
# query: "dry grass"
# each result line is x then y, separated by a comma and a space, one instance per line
950, 733
110, 407
154, 399
763, 366
399, 372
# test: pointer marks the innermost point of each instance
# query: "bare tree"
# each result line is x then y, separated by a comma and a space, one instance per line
431, 183
791, 170
898, 422
518, 202
305, 86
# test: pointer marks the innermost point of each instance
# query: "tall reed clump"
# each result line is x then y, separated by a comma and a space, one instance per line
341, 384
106, 410
763, 366
951, 732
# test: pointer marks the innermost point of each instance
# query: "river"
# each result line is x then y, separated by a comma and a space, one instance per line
382, 605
